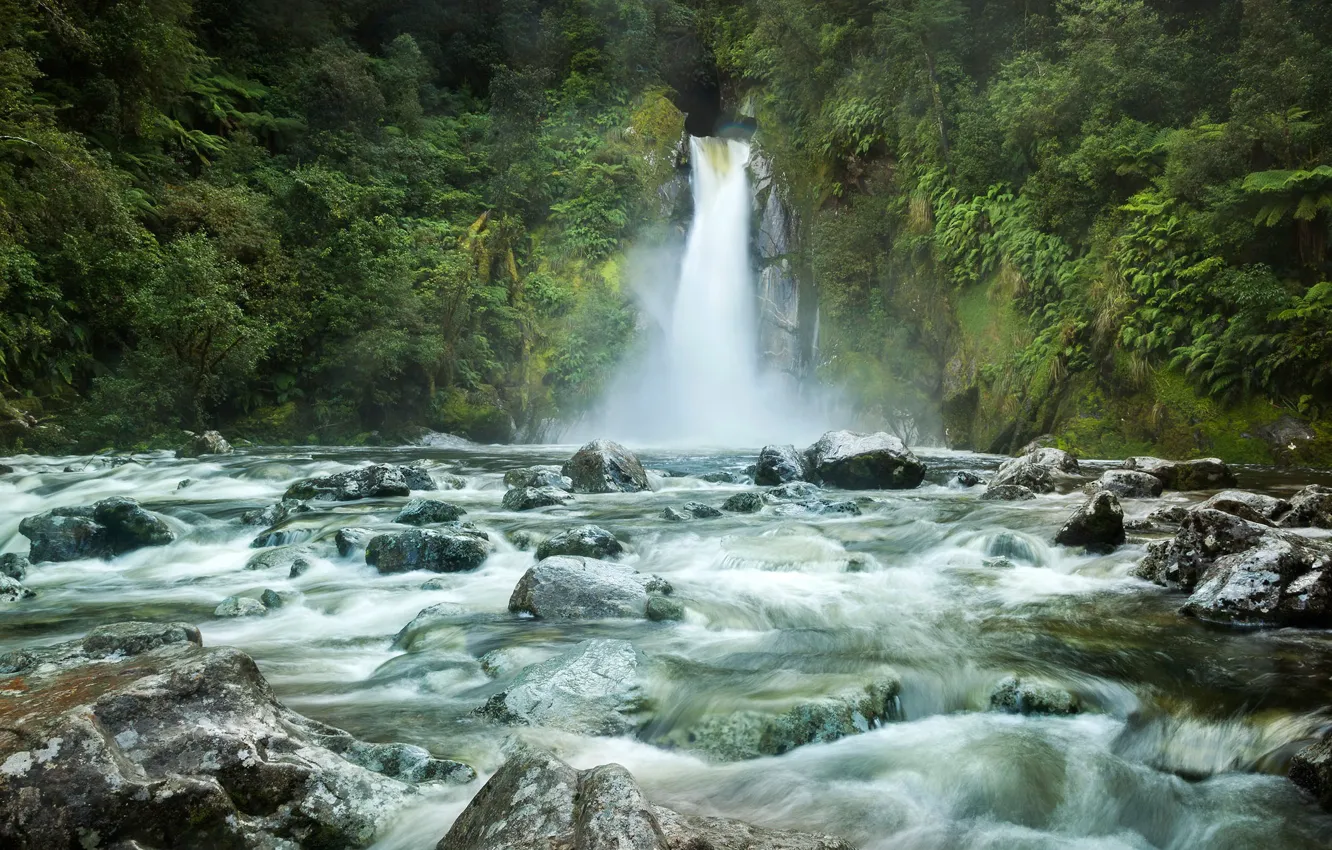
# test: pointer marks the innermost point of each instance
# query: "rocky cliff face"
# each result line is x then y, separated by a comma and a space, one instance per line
786, 342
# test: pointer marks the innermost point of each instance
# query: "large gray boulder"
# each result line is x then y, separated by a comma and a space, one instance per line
576, 588
1097, 524
1128, 484
443, 550
537, 802
863, 462
538, 477
1241, 572
429, 512
102, 530
1203, 474
589, 541
1309, 508
1007, 493
1254, 507
780, 465
592, 689
139, 734
602, 466
533, 498
295, 561
351, 540
1038, 471
207, 443
377, 481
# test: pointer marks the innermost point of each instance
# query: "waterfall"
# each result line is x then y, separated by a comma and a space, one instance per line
701, 382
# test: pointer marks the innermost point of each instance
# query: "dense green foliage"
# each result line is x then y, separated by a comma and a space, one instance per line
1028, 208
309, 220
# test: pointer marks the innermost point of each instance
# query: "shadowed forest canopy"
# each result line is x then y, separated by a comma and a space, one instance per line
314, 220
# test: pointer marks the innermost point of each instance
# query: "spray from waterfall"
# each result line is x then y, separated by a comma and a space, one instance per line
701, 380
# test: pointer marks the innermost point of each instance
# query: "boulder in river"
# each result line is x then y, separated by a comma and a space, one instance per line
1097, 524
14, 566
1007, 493
142, 738
1202, 474
576, 588
602, 466
592, 689
293, 560
1021, 696
1311, 769
207, 443
538, 476
1254, 507
377, 481
664, 609
350, 540
967, 479
1128, 484
1037, 471
429, 512
240, 606
744, 503
275, 514
854, 461
589, 541
109, 527
533, 498
443, 550
698, 510
537, 802
1244, 573
13, 590
780, 465
1309, 508
425, 620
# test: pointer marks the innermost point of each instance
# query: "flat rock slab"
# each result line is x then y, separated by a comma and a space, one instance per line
577, 588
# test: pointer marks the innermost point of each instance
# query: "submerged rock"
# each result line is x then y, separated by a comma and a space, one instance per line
429, 512
592, 689
780, 465
275, 514
590, 541
108, 528
605, 467
1203, 474
207, 443
799, 491
14, 565
1128, 484
351, 540
538, 477
537, 802
1007, 493
744, 503
181, 746
577, 588
532, 498
12, 590
1310, 508
863, 462
294, 560
377, 481
698, 510
1254, 507
240, 606
1019, 696
427, 619
1098, 524
664, 609
437, 550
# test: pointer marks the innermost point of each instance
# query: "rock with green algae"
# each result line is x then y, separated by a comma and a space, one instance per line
1019, 696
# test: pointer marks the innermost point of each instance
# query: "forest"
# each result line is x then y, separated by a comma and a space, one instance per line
339, 220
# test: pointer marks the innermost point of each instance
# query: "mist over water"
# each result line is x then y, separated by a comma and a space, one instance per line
701, 380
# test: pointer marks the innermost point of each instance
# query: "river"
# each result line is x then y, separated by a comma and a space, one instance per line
1183, 737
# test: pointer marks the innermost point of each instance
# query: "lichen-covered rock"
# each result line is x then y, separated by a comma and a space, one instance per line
1309, 508
1007, 493
1311, 769
1202, 474
351, 540
240, 606
1203, 537
1254, 507
602, 466
797, 491
538, 477
207, 443
429, 512
1020, 696
1097, 524
1038, 471
294, 560
12, 590
275, 514
780, 465
744, 503
532, 498
108, 528
698, 510
377, 481
675, 515
175, 745
863, 462
592, 689
664, 609
452, 550
1128, 484
14, 565
576, 588
537, 802
751, 734
589, 541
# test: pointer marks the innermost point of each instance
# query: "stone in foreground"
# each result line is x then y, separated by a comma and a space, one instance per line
780, 465
576, 588
1311, 769
108, 528
437, 550
1097, 525
602, 466
140, 737
863, 462
537, 802
1310, 508
589, 541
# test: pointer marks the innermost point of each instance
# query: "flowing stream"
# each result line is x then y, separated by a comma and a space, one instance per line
1182, 741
